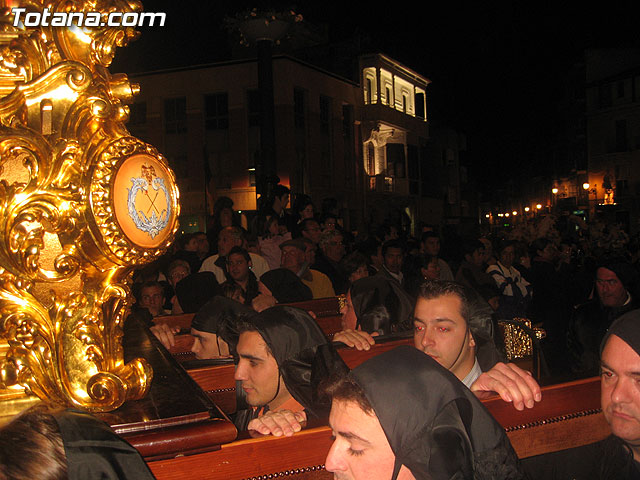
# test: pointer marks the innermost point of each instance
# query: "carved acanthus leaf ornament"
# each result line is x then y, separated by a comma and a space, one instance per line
81, 203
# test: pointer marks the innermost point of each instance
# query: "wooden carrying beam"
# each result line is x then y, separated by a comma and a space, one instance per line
568, 416
326, 310
216, 377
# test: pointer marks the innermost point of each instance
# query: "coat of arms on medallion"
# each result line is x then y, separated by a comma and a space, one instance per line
148, 201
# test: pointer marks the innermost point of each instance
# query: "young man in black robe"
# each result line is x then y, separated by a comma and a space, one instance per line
402, 416
281, 357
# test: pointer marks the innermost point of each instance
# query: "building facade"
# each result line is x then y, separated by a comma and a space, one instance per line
362, 142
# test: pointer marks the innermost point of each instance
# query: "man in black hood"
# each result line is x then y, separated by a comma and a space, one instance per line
211, 328
590, 321
282, 355
401, 415
618, 455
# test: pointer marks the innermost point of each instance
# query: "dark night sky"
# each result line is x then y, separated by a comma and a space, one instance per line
497, 67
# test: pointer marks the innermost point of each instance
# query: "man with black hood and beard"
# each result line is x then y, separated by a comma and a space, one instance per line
401, 415
281, 357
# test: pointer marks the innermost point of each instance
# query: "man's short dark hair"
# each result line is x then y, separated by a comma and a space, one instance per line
343, 388
470, 246
185, 239
236, 232
152, 284
438, 288
327, 237
503, 244
538, 244
305, 223
32, 446
326, 216
368, 247
178, 263
239, 251
396, 243
243, 326
353, 262
427, 235
280, 190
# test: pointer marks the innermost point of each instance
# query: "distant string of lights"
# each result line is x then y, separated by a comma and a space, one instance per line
538, 208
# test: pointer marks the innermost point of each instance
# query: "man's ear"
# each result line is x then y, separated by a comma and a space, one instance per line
472, 341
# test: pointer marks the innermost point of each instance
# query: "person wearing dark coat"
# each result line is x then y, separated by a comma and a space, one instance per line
286, 286
195, 290
550, 303
451, 326
377, 304
328, 260
617, 456
281, 357
591, 320
402, 413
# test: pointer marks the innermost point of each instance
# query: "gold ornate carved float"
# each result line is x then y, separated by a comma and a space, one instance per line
81, 202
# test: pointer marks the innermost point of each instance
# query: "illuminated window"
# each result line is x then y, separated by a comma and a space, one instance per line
371, 159
404, 95
388, 184
386, 82
370, 85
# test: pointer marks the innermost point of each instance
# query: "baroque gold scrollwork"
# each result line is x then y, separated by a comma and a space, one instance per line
81, 203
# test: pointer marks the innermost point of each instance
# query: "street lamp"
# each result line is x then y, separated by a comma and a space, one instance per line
554, 190
538, 206
586, 185
526, 209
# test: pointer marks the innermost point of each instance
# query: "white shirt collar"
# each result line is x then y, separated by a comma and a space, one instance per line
473, 375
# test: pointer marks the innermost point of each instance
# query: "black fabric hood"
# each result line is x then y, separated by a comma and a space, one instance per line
435, 425
94, 451
304, 355
381, 305
627, 327
219, 316
286, 286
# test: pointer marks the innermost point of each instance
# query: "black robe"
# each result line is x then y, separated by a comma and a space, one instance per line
381, 305
435, 426
94, 451
304, 356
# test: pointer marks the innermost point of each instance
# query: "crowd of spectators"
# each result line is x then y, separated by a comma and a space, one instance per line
571, 278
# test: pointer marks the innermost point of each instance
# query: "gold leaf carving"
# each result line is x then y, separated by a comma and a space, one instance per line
67, 244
